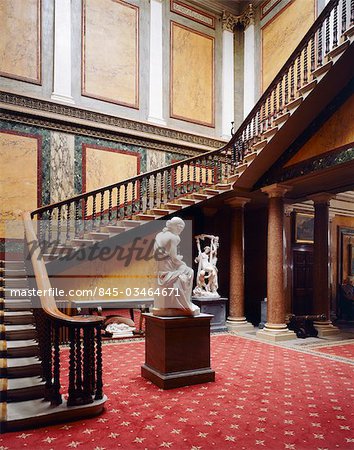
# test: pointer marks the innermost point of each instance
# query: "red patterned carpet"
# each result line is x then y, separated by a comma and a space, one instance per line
342, 350
264, 397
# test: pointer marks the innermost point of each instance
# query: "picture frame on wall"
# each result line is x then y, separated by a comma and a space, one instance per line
304, 228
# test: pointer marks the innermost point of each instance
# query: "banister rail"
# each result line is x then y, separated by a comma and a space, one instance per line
85, 363
74, 217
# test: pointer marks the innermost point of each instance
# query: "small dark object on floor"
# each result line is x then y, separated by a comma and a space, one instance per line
303, 325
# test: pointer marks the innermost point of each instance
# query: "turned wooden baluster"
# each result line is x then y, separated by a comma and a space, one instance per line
94, 198
194, 181
305, 75
201, 173
351, 12
292, 81
319, 50
133, 196
175, 188
125, 201
78, 379
102, 208
327, 37
344, 16
56, 396
85, 214
77, 218
87, 382
45, 345
298, 73
154, 194
68, 217
269, 118
141, 185
313, 53
99, 383
59, 226
72, 369
118, 203
110, 194
335, 26
50, 217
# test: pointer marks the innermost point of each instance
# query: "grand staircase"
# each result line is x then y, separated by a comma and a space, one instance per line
316, 72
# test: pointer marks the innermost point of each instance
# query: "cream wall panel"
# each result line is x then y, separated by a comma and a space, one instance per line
110, 51
192, 75
281, 35
20, 42
18, 181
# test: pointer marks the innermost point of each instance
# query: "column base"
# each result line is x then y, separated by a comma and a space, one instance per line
326, 329
240, 324
276, 333
62, 98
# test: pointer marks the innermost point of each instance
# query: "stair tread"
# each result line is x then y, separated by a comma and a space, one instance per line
17, 313
21, 343
19, 327
25, 382
38, 407
22, 362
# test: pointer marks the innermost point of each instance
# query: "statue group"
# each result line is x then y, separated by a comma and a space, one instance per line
175, 278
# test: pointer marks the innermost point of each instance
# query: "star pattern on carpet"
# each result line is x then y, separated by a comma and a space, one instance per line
264, 396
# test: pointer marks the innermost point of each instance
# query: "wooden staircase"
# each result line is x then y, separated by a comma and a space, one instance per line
23, 398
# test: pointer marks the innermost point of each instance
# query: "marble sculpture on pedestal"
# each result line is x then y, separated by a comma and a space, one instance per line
207, 275
174, 275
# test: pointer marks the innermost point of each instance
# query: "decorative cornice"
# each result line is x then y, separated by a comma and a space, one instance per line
229, 21
96, 133
97, 120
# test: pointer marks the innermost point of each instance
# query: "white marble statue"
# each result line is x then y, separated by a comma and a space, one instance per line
207, 275
175, 278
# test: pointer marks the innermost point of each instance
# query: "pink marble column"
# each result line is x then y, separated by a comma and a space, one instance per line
321, 254
237, 320
276, 329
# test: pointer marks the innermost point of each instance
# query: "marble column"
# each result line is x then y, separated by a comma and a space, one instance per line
156, 64
237, 320
276, 329
321, 274
227, 70
62, 52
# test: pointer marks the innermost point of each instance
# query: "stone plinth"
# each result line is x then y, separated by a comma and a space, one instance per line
216, 307
177, 351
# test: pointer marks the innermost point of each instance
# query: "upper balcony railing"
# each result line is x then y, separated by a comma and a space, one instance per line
73, 217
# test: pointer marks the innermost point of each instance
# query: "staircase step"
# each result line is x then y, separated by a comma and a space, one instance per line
339, 49
21, 348
187, 201
293, 103
198, 196
130, 223
173, 206
21, 283
323, 69
113, 229
82, 242
18, 304
281, 118
13, 265
146, 217
17, 317
37, 412
249, 157
270, 132
13, 273
223, 186
98, 236
22, 389
160, 211
20, 332
20, 367
308, 87
259, 145
211, 191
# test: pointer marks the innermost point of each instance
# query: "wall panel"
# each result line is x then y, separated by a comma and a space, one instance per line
20, 40
110, 51
192, 75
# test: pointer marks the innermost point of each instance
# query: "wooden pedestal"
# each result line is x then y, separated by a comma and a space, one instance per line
177, 351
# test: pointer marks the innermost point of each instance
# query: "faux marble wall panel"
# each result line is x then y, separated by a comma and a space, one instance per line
155, 160
110, 51
20, 41
192, 75
331, 135
18, 181
61, 166
281, 35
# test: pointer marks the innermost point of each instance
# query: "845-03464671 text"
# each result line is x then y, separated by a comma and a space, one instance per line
97, 292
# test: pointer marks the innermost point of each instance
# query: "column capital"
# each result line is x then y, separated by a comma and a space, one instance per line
229, 20
321, 197
276, 190
288, 209
237, 202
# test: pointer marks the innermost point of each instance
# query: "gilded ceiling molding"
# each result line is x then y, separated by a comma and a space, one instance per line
97, 119
229, 21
